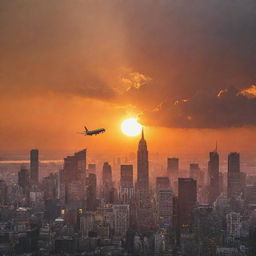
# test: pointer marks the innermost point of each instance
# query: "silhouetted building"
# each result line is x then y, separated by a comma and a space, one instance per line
142, 168
23, 179
3, 192
34, 166
107, 181
126, 183
173, 167
213, 172
49, 186
91, 192
75, 167
164, 207
196, 173
121, 219
187, 199
234, 175
162, 183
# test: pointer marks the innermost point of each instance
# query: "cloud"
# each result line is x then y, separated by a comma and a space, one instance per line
228, 108
174, 51
250, 92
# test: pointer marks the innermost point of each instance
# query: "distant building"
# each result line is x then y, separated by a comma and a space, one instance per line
162, 183
187, 199
23, 179
91, 192
34, 166
250, 194
75, 167
50, 187
121, 219
126, 183
196, 173
172, 167
214, 179
3, 192
164, 207
107, 181
234, 175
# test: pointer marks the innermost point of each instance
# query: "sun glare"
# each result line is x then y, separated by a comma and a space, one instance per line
131, 127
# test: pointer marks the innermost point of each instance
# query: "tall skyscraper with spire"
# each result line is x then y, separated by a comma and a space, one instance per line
144, 211
142, 166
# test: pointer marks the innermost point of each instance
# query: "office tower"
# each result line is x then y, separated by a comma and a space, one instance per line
75, 167
234, 175
50, 187
23, 179
121, 219
91, 193
164, 207
173, 167
3, 193
34, 167
75, 193
162, 183
250, 194
187, 198
213, 173
196, 173
126, 183
107, 181
142, 167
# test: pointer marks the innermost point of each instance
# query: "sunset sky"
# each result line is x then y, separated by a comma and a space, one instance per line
186, 69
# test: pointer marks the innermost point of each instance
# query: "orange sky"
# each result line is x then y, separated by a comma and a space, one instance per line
65, 64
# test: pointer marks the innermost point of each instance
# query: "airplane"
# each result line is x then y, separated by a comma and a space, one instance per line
92, 132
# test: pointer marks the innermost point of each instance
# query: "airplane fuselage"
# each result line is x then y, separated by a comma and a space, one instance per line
95, 132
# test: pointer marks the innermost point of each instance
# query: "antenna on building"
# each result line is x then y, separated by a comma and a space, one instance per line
216, 146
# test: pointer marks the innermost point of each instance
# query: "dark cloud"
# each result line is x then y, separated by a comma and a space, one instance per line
227, 108
188, 49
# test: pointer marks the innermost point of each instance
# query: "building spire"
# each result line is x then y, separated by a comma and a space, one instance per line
142, 134
216, 146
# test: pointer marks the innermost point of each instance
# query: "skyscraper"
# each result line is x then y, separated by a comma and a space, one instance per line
121, 219
187, 198
23, 179
91, 192
164, 207
75, 166
172, 167
213, 173
162, 183
3, 192
107, 181
142, 166
34, 166
234, 175
126, 183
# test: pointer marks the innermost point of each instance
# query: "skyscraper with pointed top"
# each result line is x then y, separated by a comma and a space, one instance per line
142, 165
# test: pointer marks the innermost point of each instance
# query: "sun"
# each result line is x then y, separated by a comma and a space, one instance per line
131, 127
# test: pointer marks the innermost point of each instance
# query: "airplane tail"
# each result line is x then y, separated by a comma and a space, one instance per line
85, 128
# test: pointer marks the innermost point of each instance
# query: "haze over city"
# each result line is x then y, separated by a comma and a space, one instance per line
185, 69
